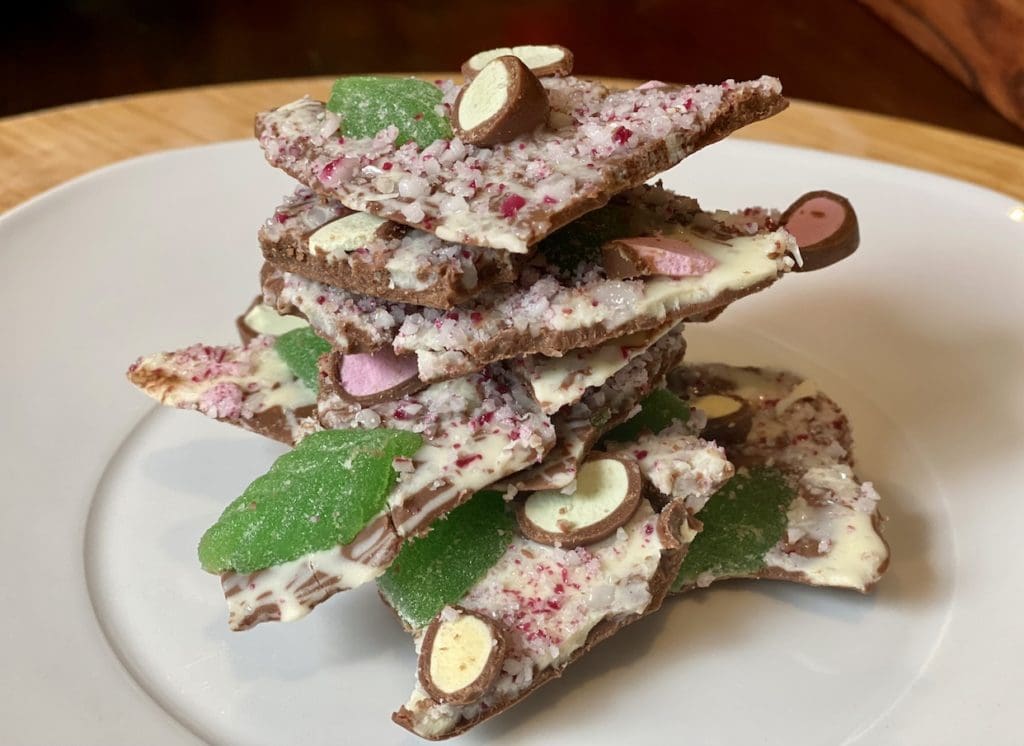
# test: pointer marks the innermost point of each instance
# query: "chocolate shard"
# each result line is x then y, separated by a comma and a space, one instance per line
562, 300
825, 227
249, 386
832, 532
324, 241
521, 191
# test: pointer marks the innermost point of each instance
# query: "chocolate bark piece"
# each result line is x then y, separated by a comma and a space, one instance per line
558, 382
349, 321
580, 426
249, 386
830, 534
289, 591
323, 240
518, 192
478, 429
562, 300
825, 226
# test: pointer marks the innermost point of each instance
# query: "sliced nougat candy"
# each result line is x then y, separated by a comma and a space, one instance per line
547, 603
250, 386
511, 195
323, 240
578, 427
796, 510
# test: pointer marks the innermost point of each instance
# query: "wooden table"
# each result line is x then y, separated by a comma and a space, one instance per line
43, 149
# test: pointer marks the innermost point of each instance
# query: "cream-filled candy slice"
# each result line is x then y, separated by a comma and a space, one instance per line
607, 492
249, 386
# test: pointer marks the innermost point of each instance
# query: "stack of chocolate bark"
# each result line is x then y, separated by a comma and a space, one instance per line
469, 310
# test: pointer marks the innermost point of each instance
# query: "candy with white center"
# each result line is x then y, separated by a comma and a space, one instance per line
542, 59
729, 418
824, 225
607, 494
504, 101
654, 256
461, 655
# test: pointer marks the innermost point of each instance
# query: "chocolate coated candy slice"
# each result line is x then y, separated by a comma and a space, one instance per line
374, 377
542, 59
729, 418
369, 105
654, 255
319, 495
606, 496
503, 101
825, 227
461, 656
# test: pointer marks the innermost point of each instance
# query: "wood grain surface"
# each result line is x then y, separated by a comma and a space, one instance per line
43, 149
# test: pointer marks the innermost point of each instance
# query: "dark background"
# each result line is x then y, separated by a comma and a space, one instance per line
833, 51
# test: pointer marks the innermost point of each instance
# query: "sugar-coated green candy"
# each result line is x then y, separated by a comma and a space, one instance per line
439, 568
369, 104
319, 495
581, 240
657, 411
301, 349
742, 521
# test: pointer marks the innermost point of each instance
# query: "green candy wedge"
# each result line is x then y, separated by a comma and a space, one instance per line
301, 350
742, 521
319, 495
439, 568
369, 104
657, 411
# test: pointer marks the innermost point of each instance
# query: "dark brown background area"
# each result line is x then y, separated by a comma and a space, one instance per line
833, 51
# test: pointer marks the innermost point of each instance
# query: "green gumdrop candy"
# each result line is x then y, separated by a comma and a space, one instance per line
301, 350
439, 568
319, 495
742, 521
370, 104
659, 410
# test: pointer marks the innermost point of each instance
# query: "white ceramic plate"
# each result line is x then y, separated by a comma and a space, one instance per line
112, 633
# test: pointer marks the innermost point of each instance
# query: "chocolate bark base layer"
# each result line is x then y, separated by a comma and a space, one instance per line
395, 263
596, 145
670, 526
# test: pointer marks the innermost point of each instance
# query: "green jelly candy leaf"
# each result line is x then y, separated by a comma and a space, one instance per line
369, 104
580, 241
301, 349
439, 568
659, 410
317, 496
742, 521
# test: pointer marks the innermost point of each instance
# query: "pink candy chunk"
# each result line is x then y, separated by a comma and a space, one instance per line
815, 220
671, 256
368, 374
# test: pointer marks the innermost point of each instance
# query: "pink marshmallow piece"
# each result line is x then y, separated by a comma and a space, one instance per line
369, 373
815, 220
673, 257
